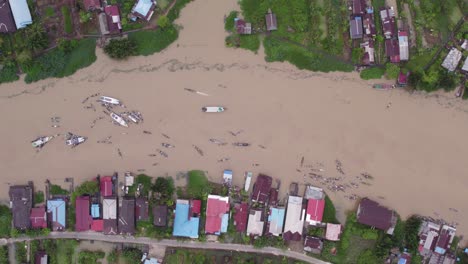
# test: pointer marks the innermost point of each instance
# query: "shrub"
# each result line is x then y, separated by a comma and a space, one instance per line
372, 73
120, 48
392, 70
89, 187
57, 190
329, 213
163, 22
143, 180
150, 42
85, 16
49, 11
249, 42
8, 73
67, 19
174, 13
89, 257
367, 257
38, 197
229, 24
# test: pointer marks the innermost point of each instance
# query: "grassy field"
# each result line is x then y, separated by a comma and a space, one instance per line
302, 58
150, 42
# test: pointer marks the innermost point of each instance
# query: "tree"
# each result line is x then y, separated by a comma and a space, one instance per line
120, 48
85, 16
163, 22
36, 37
164, 186
367, 257
411, 232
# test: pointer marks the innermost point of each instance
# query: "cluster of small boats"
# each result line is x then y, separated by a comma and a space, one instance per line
70, 140
122, 119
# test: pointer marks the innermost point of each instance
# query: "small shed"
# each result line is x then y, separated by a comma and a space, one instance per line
242, 27
270, 18
451, 61
313, 245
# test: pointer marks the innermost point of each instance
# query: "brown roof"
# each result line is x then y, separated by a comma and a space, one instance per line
160, 215
292, 236
141, 209
358, 7
21, 202
273, 197
7, 24
40, 257
313, 244
392, 50
240, 216
110, 227
373, 214
127, 216
261, 189
92, 4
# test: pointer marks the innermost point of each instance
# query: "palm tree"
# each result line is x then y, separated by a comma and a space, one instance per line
36, 37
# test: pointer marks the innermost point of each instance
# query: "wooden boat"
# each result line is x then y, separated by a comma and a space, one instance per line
460, 91
383, 86
109, 100
248, 179
41, 141
74, 140
118, 119
213, 109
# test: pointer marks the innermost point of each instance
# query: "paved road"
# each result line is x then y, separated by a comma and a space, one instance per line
169, 243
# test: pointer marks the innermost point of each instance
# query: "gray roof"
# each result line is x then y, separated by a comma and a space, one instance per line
451, 61
21, 204
7, 24
355, 28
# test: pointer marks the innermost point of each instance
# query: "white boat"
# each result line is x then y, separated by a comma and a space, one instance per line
248, 179
213, 109
74, 140
41, 141
109, 100
118, 119
227, 177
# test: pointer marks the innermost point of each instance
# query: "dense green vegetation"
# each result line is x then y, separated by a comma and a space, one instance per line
67, 19
3, 255
8, 73
164, 186
372, 73
57, 190
174, 13
90, 257
198, 185
58, 63
21, 253
120, 48
277, 50
329, 213
149, 42
89, 187
146, 183
229, 24
5, 221
39, 197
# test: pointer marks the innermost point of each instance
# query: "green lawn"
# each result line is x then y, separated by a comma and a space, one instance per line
276, 50
150, 42
65, 252
67, 19
5, 221
49, 11
250, 42
329, 213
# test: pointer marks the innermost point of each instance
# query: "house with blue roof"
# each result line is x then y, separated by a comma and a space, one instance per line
56, 213
276, 221
21, 14
187, 218
144, 9
95, 210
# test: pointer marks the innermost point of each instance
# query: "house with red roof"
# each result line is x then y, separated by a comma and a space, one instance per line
392, 50
38, 217
315, 208
97, 225
83, 217
106, 186
388, 22
217, 214
114, 25
240, 216
261, 189
92, 5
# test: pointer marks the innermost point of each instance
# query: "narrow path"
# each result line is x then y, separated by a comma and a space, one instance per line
12, 253
168, 243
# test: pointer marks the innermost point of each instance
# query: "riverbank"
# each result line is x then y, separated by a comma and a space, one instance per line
407, 142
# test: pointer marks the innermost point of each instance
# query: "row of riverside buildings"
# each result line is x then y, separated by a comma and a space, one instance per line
362, 27
262, 215
15, 14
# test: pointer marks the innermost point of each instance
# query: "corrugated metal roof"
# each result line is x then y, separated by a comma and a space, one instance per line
276, 219
184, 225
21, 13
109, 208
294, 215
57, 209
255, 223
